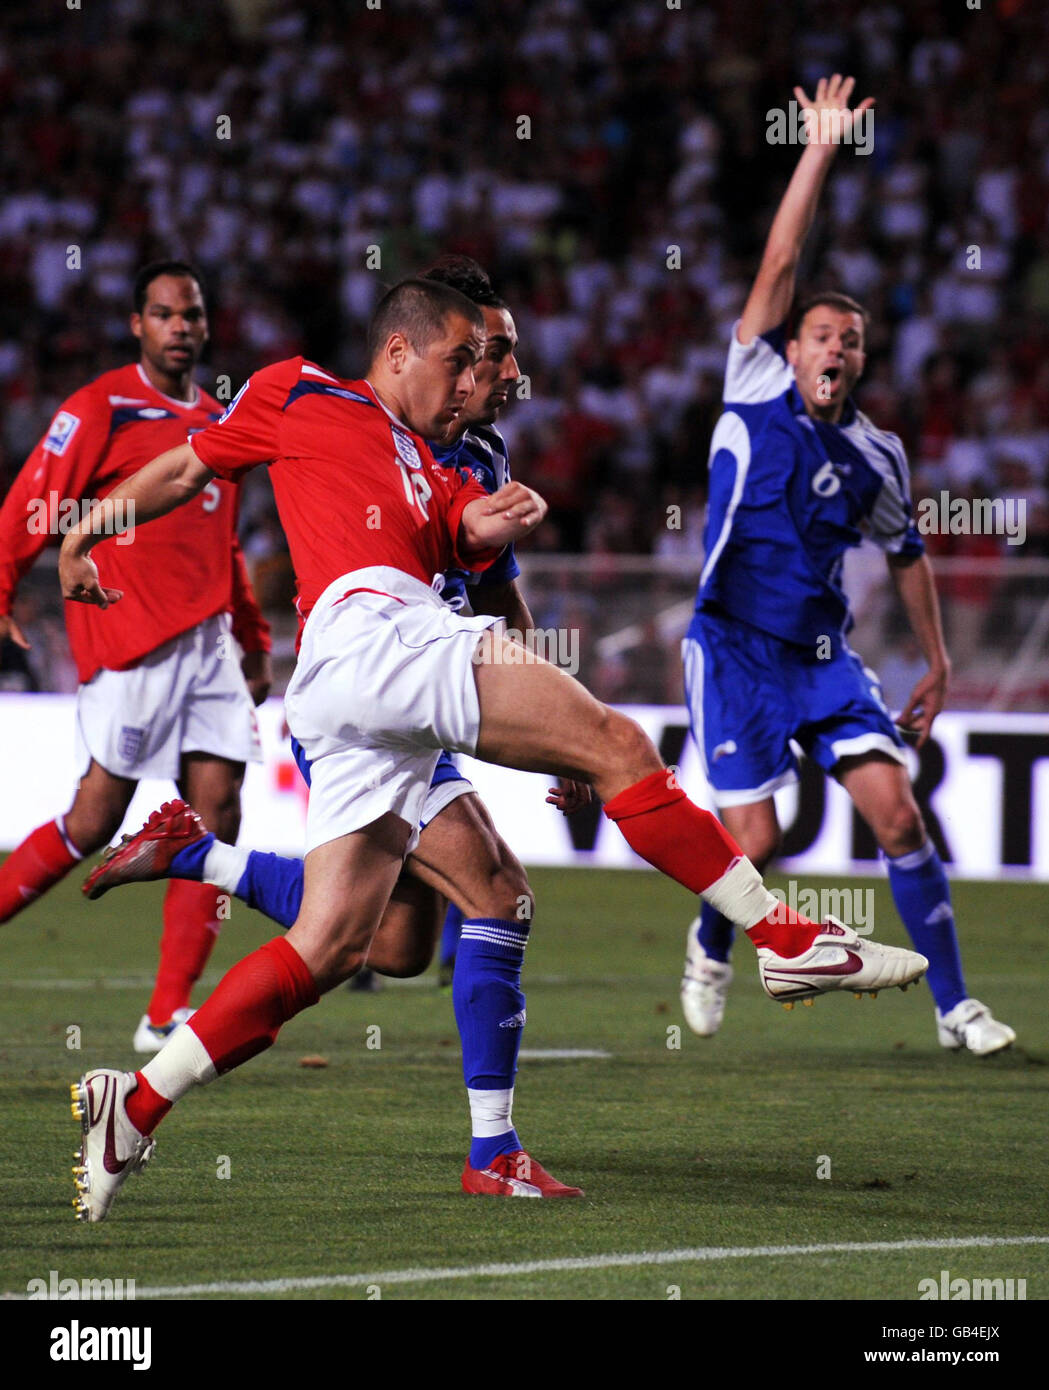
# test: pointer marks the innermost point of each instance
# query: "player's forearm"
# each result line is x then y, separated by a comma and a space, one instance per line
797, 209
503, 601
773, 290
163, 484
917, 590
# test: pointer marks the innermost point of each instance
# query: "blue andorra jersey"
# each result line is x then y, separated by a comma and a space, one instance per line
481, 451
788, 496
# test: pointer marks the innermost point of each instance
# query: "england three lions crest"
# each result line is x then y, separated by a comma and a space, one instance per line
405, 446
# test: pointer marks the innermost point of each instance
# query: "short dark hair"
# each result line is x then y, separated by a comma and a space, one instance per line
155, 270
467, 276
843, 302
418, 308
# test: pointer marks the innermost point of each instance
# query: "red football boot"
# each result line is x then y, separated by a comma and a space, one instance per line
514, 1175
148, 853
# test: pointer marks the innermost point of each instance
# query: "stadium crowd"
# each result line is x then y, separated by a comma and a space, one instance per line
609, 165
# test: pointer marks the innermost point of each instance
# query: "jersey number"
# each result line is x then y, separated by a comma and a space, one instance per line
416, 488
826, 482
211, 496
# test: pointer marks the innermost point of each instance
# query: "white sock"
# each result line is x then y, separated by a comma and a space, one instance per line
740, 894
490, 1112
224, 865
183, 1062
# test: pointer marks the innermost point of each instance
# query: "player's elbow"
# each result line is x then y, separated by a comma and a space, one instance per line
184, 473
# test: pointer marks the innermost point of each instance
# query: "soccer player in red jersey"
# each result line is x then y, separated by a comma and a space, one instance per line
160, 692
387, 677
460, 854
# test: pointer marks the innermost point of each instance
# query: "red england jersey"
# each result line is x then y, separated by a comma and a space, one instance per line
354, 487
176, 571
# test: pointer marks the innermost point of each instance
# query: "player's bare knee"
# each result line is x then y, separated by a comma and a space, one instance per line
761, 847
406, 964
220, 812
903, 831
512, 898
91, 828
622, 750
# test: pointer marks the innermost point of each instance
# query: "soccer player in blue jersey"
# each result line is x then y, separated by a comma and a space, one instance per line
460, 854
798, 475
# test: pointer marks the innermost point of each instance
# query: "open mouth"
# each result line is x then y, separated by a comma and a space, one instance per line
832, 374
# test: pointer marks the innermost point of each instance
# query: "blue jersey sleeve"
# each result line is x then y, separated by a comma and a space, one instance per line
503, 571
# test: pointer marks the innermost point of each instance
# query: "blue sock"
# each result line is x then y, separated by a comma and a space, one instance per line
923, 900
189, 862
270, 882
715, 933
490, 1013
453, 921
273, 884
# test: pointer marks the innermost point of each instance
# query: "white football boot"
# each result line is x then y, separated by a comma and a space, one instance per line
149, 1038
112, 1148
838, 959
704, 987
970, 1024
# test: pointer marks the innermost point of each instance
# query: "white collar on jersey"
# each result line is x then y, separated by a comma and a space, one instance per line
382, 406
182, 405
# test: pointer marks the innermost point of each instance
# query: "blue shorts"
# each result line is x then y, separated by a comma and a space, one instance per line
749, 695
445, 772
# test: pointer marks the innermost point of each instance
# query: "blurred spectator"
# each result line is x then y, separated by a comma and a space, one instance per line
610, 167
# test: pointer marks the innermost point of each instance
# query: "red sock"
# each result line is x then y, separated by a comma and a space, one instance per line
240, 1019
660, 823
784, 931
146, 1107
252, 1002
191, 928
40, 860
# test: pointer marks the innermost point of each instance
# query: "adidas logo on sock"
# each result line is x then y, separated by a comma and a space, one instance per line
941, 913
515, 1021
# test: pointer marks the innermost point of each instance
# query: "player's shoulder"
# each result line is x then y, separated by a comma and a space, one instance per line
489, 439
92, 406
862, 427
757, 372
306, 378
109, 390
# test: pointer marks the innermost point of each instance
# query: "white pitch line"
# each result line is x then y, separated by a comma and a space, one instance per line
561, 1054
584, 1262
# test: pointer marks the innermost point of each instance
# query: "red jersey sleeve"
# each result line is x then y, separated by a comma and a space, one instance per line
250, 628
466, 489
59, 470
247, 434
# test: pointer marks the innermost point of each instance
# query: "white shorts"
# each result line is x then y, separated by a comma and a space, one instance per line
384, 682
188, 696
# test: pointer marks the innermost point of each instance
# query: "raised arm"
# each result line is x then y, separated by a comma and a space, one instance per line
773, 289
165, 483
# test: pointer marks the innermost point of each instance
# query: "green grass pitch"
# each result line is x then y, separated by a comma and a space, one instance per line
351, 1172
